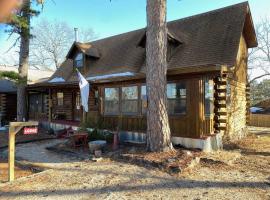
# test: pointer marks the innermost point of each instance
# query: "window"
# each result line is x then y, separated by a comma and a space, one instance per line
130, 99
78, 61
144, 99
96, 97
60, 98
44, 103
111, 101
209, 97
176, 94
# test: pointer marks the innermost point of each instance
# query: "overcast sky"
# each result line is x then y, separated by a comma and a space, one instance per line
108, 18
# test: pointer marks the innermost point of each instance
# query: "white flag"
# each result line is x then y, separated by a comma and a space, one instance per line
84, 88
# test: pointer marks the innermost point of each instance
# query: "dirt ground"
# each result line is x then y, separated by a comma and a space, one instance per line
19, 171
241, 171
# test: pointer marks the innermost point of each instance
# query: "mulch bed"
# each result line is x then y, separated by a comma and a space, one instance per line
20, 138
173, 162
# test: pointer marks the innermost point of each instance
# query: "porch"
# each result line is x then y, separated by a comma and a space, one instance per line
193, 105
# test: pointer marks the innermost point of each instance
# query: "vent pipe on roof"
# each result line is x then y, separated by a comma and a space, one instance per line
76, 34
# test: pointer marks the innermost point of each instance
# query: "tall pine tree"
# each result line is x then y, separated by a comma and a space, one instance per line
20, 23
158, 129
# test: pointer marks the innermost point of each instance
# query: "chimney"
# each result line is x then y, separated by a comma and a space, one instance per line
76, 34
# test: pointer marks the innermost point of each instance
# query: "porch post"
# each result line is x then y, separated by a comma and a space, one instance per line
84, 117
50, 106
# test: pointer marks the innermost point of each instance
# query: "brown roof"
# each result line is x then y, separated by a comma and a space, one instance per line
206, 39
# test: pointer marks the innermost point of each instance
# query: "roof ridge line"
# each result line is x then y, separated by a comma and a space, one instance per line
169, 22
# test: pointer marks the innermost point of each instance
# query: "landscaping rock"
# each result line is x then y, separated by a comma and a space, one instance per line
96, 145
98, 153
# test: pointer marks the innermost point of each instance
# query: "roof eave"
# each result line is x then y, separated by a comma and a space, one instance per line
249, 30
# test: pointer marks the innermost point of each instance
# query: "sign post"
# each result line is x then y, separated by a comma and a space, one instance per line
15, 127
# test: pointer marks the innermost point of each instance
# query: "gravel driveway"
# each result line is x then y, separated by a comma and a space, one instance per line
248, 177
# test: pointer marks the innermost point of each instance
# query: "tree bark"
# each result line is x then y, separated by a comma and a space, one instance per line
23, 62
158, 130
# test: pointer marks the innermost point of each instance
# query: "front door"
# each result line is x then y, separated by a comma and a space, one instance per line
77, 108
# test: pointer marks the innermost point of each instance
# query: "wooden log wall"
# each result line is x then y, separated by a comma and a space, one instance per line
220, 102
237, 110
67, 107
3, 105
237, 104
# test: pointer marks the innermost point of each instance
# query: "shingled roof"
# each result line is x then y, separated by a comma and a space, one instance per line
7, 86
207, 39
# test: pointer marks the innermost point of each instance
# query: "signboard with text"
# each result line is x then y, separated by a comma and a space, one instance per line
30, 130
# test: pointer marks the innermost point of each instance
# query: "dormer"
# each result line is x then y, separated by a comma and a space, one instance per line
80, 52
173, 43
171, 38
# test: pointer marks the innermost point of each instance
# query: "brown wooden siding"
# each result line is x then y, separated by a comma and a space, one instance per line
193, 124
8, 106
67, 108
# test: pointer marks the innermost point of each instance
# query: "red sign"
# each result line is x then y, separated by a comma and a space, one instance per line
30, 130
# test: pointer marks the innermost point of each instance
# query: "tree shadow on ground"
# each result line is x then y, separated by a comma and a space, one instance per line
155, 183
183, 184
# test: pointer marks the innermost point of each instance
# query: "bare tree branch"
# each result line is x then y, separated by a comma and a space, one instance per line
259, 58
52, 40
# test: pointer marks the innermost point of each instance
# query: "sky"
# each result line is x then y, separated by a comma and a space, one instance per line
111, 17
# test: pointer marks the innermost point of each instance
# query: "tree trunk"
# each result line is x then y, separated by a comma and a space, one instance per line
158, 130
23, 63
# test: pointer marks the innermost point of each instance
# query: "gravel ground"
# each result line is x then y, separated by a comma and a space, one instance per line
239, 173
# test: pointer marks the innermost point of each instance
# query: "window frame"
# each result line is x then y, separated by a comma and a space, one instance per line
210, 114
141, 100
138, 103
57, 98
119, 101
139, 112
75, 61
186, 98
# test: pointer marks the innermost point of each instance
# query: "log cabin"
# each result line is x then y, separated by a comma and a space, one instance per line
8, 101
208, 95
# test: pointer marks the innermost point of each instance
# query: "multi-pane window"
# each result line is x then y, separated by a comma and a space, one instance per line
209, 97
78, 61
176, 94
60, 98
144, 99
130, 100
111, 103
